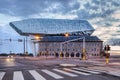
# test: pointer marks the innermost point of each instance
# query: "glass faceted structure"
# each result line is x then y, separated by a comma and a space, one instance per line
52, 27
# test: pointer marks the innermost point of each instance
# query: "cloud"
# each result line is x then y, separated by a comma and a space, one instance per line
22, 7
83, 9
108, 33
30, 7
5, 29
98, 8
116, 14
104, 15
5, 19
118, 25
55, 16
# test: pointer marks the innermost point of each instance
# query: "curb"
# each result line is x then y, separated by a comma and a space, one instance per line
111, 75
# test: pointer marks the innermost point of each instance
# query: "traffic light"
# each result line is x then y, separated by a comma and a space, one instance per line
107, 48
10, 39
19, 40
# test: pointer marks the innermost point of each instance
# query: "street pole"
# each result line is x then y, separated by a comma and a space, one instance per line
83, 50
35, 48
35, 39
107, 59
60, 50
83, 42
24, 46
107, 54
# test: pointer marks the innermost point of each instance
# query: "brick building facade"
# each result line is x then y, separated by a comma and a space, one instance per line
53, 46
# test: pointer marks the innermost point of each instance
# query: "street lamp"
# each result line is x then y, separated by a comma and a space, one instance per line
83, 50
66, 34
61, 54
37, 37
67, 52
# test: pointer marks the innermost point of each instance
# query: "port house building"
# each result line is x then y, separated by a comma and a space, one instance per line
53, 42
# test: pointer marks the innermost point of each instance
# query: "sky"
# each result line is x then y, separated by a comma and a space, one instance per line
103, 15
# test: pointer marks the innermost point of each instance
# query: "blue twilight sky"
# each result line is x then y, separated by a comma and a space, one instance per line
104, 15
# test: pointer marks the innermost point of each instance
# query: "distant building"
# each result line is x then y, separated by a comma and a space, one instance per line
53, 41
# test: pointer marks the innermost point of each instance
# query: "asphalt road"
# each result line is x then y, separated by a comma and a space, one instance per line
44, 74
10, 69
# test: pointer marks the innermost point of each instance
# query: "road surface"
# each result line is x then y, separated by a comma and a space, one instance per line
10, 69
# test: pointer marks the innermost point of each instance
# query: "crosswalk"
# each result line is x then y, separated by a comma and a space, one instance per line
1, 75
18, 75
56, 76
78, 72
66, 73
36, 75
40, 74
94, 72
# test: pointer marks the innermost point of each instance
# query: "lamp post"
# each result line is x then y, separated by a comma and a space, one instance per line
24, 46
83, 50
67, 53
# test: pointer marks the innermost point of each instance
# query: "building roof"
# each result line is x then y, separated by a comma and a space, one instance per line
63, 38
52, 26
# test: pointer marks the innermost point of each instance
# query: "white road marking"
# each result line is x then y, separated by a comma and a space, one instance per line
82, 73
56, 76
18, 75
66, 73
2, 75
86, 70
36, 75
95, 70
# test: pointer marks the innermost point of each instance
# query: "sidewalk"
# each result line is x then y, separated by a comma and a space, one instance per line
110, 68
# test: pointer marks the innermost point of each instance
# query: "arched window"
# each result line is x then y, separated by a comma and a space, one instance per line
67, 54
72, 54
52, 54
56, 55
77, 54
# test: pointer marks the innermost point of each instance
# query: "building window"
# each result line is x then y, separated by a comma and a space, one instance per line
52, 49
58, 49
73, 49
71, 44
98, 44
68, 49
79, 44
94, 49
87, 49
